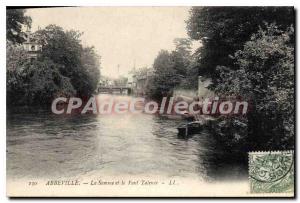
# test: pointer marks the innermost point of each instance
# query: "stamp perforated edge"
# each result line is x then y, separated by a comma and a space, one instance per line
268, 152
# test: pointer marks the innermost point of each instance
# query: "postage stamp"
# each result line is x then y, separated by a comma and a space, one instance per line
271, 172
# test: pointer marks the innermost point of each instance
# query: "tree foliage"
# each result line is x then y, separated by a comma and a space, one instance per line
79, 64
224, 30
173, 69
36, 82
266, 78
90, 61
15, 21
64, 67
249, 53
165, 76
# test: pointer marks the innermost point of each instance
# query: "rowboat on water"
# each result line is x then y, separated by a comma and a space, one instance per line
189, 128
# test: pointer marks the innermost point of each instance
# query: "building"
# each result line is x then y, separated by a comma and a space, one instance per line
31, 46
190, 95
130, 82
141, 79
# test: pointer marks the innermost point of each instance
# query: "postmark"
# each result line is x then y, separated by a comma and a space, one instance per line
271, 172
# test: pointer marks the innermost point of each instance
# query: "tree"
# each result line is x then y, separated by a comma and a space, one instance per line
185, 63
79, 64
224, 30
37, 82
15, 55
61, 47
266, 78
90, 61
173, 70
181, 56
165, 76
64, 68
15, 20
183, 46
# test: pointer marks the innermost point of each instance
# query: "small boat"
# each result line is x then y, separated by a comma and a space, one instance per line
189, 128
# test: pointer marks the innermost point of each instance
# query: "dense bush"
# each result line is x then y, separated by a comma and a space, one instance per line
248, 52
36, 82
63, 68
15, 20
266, 79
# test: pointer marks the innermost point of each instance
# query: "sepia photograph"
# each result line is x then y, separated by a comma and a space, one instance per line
173, 101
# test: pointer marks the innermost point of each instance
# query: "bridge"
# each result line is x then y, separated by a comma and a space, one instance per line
114, 89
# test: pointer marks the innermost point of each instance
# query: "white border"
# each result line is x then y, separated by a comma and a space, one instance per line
5, 3
150, 3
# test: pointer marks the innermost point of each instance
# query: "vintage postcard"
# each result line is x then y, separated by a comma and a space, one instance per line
150, 101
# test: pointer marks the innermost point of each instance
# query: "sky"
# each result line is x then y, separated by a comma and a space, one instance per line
122, 36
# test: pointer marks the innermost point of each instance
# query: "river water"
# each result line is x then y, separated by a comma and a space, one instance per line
41, 144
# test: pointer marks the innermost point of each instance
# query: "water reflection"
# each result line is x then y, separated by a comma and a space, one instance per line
41, 144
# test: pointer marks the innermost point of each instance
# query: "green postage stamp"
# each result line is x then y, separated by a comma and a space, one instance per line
271, 172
